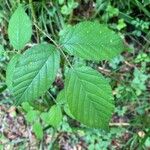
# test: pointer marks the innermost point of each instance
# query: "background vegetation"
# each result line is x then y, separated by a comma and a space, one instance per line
128, 75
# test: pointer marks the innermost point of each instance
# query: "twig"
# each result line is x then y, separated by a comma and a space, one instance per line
58, 46
130, 65
119, 124
148, 41
52, 97
104, 70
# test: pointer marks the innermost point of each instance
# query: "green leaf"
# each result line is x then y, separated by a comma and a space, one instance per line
121, 24
67, 111
44, 116
61, 100
147, 142
26, 106
35, 72
38, 130
19, 29
10, 69
91, 41
32, 116
61, 97
60, 2
53, 117
89, 97
146, 2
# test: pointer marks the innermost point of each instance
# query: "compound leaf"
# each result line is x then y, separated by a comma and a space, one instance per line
19, 29
91, 41
89, 97
35, 72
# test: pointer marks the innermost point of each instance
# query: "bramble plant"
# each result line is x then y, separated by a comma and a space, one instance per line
86, 92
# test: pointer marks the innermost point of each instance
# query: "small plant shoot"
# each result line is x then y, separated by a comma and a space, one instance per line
33, 70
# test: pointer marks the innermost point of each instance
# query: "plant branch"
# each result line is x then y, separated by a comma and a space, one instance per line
119, 124
57, 45
52, 97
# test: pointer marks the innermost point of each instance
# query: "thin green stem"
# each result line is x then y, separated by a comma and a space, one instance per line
58, 46
44, 33
8, 5
52, 97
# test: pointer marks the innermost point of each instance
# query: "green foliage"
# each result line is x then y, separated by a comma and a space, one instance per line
141, 24
142, 57
147, 142
89, 97
35, 72
98, 139
127, 73
121, 24
61, 100
68, 7
38, 130
26, 106
116, 61
125, 92
91, 41
121, 110
10, 69
53, 117
146, 2
20, 28
32, 116
112, 11
138, 82
38, 119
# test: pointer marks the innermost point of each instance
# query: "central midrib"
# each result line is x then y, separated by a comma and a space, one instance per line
34, 78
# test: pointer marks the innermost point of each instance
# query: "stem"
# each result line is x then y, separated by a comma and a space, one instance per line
58, 46
47, 127
34, 19
52, 97
119, 124
70, 17
7, 3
